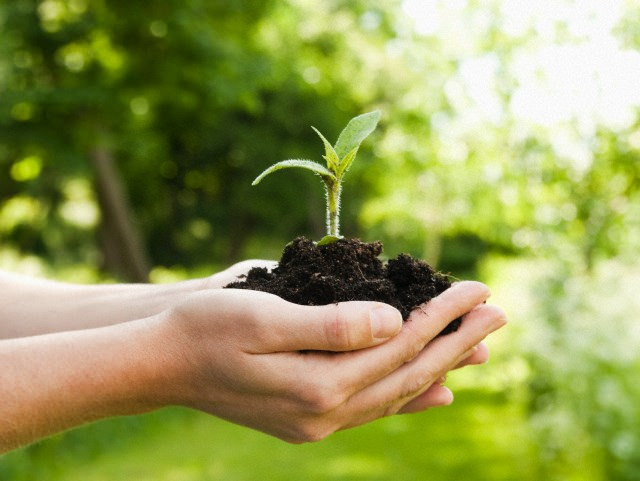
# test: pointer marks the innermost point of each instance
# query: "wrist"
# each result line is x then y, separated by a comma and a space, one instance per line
139, 374
166, 362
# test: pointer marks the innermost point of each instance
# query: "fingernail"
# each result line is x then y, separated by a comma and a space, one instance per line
498, 323
386, 321
469, 353
449, 398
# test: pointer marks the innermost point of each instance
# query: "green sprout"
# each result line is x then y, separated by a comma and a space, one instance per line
339, 158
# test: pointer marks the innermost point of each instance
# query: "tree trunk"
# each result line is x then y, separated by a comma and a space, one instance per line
122, 244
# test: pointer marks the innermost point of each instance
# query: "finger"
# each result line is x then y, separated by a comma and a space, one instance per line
234, 273
429, 399
437, 395
479, 357
243, 267
436, 359
433, 396
344, 326
363, 368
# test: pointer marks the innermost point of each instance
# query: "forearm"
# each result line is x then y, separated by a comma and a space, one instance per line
52, 382
34, 306
31, 306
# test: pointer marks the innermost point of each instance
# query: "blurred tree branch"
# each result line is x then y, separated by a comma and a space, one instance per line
122, 243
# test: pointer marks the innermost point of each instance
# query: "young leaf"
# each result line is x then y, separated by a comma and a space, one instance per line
322, 171
329, 153
328, 239
339, 159
355, 132
346, 162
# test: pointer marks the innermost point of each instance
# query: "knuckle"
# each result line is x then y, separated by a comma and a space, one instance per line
414, 344
409, 352
413, 350
467, 344
337, 330
311, 432
252, 320
415, 382
392, 409
321, 401
435, 304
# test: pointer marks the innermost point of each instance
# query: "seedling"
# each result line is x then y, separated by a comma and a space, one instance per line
336, 269
338, 158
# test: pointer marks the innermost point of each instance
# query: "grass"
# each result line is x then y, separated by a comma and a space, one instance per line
482, 436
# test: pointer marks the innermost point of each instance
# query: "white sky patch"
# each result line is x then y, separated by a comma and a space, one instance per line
568, 145
593, 83
478, 76
425, 14
583, 18
568, 71
431, 16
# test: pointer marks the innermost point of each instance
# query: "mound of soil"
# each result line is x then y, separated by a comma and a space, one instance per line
348, 270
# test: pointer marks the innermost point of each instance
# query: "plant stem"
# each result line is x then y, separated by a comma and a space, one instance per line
333, 208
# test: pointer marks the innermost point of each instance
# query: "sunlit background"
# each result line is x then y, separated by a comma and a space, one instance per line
508, 152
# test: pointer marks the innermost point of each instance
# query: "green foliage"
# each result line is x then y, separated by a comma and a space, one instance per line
584, 377
502, 141
339, 159
166, 88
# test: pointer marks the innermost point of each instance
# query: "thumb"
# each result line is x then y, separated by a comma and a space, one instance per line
345, 326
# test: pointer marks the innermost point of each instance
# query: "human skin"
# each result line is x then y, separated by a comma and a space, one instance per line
245, 356
37, 306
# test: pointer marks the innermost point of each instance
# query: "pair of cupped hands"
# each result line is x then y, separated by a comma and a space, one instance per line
303, 372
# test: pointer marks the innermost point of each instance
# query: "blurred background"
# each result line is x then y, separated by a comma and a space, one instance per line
508, 152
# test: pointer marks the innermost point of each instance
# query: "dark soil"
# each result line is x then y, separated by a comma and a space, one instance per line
348, 270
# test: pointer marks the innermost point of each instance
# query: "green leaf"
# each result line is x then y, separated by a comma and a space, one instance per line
355, 132
328, 239
346, 162
330, 154
316, 168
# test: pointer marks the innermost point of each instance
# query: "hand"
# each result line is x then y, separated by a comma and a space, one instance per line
437, 395
237, 354
231, 274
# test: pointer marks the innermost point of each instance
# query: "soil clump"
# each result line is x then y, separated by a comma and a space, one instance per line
348, 270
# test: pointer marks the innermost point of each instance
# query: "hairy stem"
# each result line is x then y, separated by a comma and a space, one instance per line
333, 208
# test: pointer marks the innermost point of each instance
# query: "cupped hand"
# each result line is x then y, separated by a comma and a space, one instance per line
303, 372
